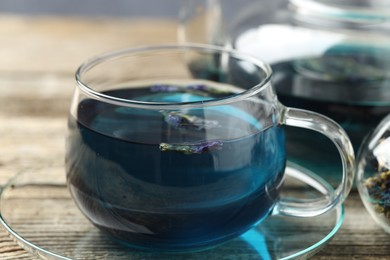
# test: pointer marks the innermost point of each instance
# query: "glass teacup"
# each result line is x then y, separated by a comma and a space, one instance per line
181, 147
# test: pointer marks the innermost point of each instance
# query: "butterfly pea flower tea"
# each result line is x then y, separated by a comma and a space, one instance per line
182, 157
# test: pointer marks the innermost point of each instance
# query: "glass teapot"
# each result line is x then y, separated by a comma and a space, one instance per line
328, 56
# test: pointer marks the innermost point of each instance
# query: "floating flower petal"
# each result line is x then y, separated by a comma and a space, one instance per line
180, 120
200, 148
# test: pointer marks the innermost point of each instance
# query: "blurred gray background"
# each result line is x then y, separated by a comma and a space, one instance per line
125, 8
92, 7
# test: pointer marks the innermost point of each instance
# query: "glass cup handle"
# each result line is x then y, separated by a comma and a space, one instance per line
326, 126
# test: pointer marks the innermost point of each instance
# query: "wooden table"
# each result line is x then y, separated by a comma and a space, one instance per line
38, 58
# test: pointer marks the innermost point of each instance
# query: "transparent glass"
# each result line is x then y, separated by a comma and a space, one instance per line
373, 173
181, 147
36, 205
332, 57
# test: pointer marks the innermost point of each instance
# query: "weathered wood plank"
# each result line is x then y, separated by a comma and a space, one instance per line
30, 143
59, 44
44, 95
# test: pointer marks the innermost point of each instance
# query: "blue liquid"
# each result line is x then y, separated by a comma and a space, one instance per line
172, 200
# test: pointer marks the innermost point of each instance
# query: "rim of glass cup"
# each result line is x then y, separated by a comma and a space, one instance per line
109, 56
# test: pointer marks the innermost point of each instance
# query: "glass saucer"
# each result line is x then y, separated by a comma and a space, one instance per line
38, 212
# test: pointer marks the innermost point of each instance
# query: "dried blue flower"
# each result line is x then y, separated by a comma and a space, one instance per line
207, 147
181, 120
200, 148
198, 87
163, 88
378, 188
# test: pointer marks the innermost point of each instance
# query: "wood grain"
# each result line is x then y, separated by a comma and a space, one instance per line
39, 57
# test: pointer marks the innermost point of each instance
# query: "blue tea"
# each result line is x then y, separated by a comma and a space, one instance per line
173, 179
